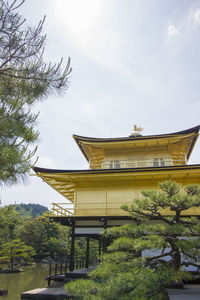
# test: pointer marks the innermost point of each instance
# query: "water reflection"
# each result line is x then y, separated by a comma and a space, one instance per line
33, 277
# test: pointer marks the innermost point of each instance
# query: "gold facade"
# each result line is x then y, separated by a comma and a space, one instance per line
165, 150
119, 169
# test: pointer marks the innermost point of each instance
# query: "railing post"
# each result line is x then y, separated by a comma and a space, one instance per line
49, 277
50, 268
55, 269
65, 268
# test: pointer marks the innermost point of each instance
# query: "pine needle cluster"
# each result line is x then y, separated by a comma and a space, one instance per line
25, 79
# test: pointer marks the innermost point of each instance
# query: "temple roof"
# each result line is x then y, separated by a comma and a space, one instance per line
86, 143
65, 181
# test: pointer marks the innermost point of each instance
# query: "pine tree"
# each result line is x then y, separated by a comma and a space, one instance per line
150, 253
15, 251
24, 79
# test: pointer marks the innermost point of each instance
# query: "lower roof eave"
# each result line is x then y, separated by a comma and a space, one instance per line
120, 170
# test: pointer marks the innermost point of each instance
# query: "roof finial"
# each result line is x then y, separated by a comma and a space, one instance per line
137, 131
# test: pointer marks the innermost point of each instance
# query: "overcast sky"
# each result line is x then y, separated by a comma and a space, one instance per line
134, 62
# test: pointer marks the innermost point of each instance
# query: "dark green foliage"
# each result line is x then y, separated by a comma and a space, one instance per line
30, 210
80, 249
24, 80
134, 284
15, 251
9, 221
150, 253
45, 236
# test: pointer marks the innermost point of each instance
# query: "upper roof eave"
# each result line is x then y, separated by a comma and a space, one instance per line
130, 138
80, 139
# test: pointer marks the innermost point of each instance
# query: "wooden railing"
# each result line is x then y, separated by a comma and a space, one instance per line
87, 208
139, 163
59, 210
58, 268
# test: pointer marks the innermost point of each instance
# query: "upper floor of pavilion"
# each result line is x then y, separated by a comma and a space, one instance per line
137, 151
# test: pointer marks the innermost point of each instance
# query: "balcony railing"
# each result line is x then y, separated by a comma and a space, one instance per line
59, 268
138, 163
89, 209
59, 210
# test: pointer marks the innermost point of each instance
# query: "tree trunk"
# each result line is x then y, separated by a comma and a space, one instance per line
11, 263
176, 257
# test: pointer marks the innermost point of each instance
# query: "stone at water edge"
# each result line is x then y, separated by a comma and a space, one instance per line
3, 292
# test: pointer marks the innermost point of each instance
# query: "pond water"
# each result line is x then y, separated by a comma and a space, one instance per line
17, 283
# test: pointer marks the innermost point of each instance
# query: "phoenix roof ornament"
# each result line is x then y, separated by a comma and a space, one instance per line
136, 131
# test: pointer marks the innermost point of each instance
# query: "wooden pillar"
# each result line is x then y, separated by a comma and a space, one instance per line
104, 249
87, 252
104, 240
71, 266
99, 247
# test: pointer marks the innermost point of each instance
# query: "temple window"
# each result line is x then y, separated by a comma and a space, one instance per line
162, 163
158, 162
115, 164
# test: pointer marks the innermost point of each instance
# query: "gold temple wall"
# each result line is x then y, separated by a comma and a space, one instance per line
107, 201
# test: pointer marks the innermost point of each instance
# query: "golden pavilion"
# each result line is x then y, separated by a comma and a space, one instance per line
119, 169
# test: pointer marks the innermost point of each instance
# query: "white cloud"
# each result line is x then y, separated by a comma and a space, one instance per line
196, 17
172, 30
186, 24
